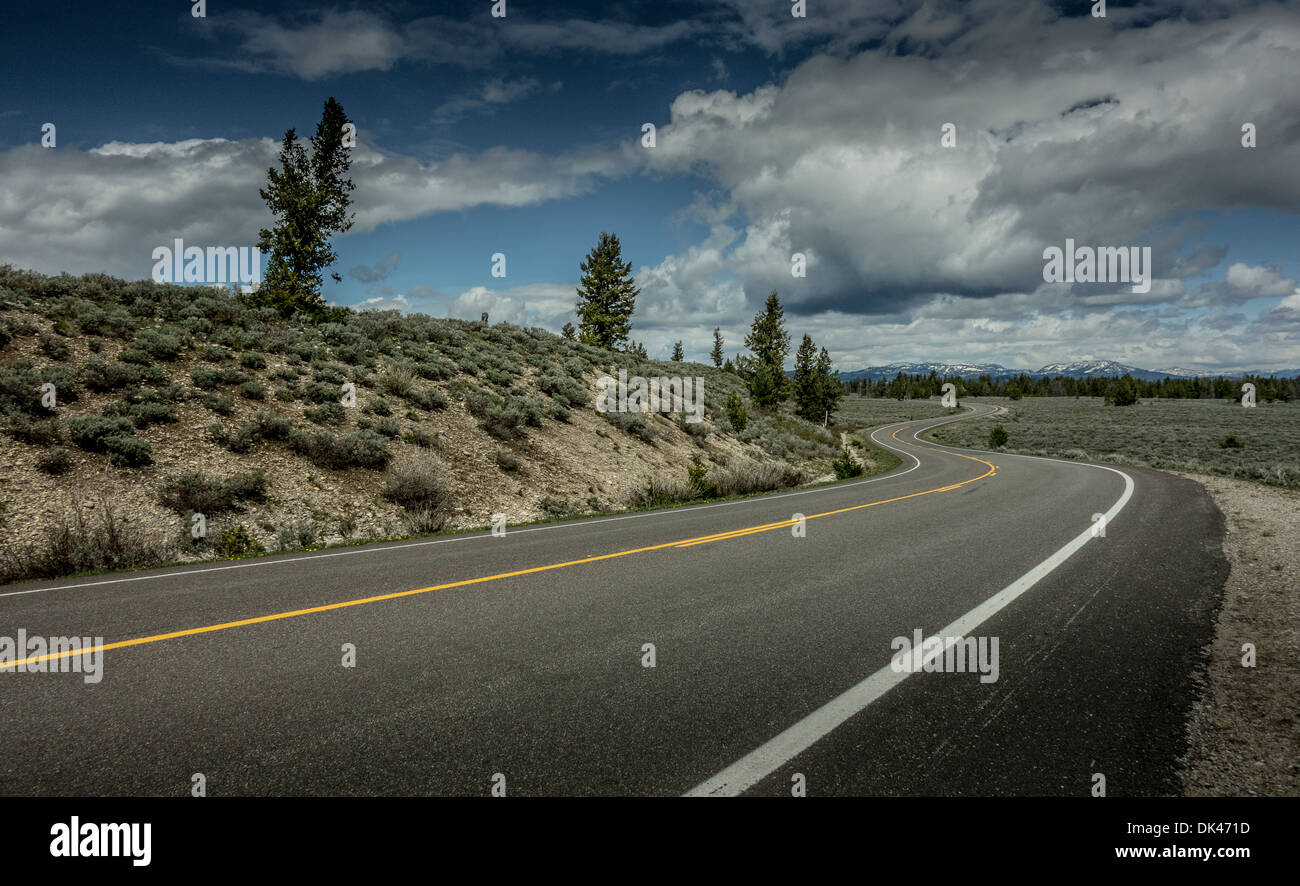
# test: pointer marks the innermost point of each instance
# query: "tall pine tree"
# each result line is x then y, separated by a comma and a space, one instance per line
309, 198
606, 295
716, 353
831, 390
678, 355
769, 342
807, 382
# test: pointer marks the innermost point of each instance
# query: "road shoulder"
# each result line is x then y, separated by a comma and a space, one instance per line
1242, 733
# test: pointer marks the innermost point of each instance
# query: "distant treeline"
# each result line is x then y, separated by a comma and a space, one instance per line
920, 387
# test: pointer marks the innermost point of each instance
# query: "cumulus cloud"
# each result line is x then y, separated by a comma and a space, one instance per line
1108, 139
105, 209
332, 42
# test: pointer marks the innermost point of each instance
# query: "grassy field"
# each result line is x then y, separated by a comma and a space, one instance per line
858, 415
872, 412
1182, 435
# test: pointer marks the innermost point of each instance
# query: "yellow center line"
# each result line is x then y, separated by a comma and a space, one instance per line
721, 536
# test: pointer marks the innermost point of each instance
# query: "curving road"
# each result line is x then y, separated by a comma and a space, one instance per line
523, 655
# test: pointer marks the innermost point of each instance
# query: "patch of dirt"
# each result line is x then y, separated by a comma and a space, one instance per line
1244, 733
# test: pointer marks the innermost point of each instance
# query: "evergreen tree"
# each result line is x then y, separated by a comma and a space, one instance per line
762, 387
716, 353
1124, 392
309, 198
831, 390
736, 412
678, 356
807, 382
769, 342
606, 295
569, 332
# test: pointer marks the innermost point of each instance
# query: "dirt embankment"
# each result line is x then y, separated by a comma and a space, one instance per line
1244, 734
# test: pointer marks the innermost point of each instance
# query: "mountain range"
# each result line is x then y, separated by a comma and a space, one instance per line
1076, 369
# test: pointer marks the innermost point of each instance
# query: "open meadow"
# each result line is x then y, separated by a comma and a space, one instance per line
1218, 437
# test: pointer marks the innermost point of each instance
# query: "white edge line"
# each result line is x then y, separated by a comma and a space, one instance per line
568, 524
766, 759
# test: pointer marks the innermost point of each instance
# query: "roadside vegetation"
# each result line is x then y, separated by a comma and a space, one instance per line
171, 401
1209, 436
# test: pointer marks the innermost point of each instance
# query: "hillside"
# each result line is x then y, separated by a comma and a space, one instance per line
172, 400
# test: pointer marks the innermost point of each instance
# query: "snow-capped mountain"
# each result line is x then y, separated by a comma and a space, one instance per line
1074, 369
1097, 369
964, 370
1088, 369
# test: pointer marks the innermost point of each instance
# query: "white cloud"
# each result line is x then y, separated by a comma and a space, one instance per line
107, 208
333, 42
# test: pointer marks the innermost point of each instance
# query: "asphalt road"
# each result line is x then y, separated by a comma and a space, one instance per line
772, 652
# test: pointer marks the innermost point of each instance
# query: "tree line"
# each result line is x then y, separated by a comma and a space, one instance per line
1124, 389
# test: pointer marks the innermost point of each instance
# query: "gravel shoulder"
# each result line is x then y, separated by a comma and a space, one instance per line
1244, 733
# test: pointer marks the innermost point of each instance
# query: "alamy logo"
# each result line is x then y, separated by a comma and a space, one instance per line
179, 263
661, 394
91, 840
55, 655
1102, 264
947, 655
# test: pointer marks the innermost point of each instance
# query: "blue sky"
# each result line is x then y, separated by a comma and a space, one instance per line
776, 135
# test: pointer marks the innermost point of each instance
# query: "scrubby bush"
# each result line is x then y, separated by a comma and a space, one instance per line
397, 381
37, 432
89, 431
565, 388
697, 474
506, 460
219, 403
696, 430
320, 392
252, 360
420, 437
330, 373
81, 540
159, 344
328, 413
55, 347
204, 379
55, 461
429, 399
361, 449
236, 541
299, 535
195, 493
846, 466
127, 452
633, 423
998, 437
228, 375
264, 425
421, 486
251, 390
151, 413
